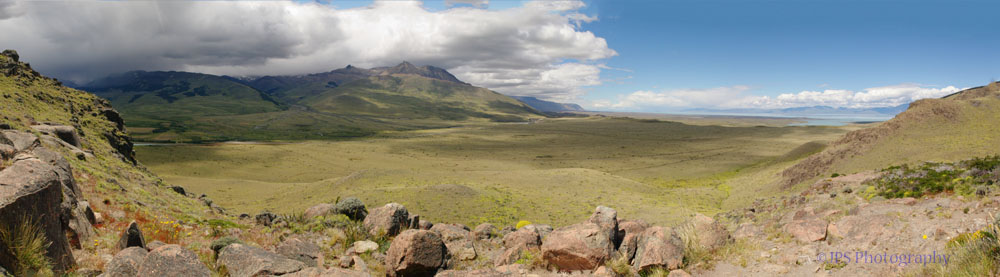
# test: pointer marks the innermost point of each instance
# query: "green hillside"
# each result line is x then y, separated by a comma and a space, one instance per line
959, 126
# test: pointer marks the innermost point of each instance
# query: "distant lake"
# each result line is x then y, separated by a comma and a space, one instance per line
818, 119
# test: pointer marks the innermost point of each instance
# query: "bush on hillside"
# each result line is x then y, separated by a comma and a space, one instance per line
975, 176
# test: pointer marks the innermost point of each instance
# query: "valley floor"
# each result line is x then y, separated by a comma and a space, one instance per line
554, 171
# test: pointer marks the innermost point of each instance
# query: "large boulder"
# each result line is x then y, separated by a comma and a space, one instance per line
711, 234
332, 272
243, 260
389, 219
630, 231
517, 242
457, 239
583, 246
65, 133
485, 231
658, 247
172, 261
352, 208
131, 237
300, 250
125, 263
415, 253
319, 210
31, 191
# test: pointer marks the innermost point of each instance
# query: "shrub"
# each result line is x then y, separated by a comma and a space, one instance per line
26, 243
973, 254
522, 223
965, 177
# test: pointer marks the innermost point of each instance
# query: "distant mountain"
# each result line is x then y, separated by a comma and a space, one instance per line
351, 101
548, 106
808, 111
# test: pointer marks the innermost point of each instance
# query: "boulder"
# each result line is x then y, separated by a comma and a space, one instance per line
361, 247
711, 234
658, 247
65, 133
131, 237
807, 230
154, 245
352, 208
747, 230
517, 242
243, 260
126, 262
413, 222
415, 253
300, 250
458, 240
172, 261
389, 219
583, 246
179, 190
218, 244
319, 210
485, 231
332, 272
542, 229
425, 225
678, 273
21, 141
630, 231
31, 189
265, 218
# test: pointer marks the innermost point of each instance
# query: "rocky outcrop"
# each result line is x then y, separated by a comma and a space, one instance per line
711, 234
131, 237
172, 261
485, 231
457, 239
332, 272
126, 263
389, 219
807, 230
415, 253
630, 231
583, 246
658, 247
517, 242
32, 189
243, 260
300, 250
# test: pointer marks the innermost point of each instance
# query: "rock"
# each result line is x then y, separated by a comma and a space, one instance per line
245, 216
88, 212
332, 272
678, 273
21, 141
861, 231
31, 189
457, 240
98, 218
361, 247
243, 260
711, 234
126, 262
507, 230
485, 231
389, 219
319, 210
265, 218
359, 263
413, 222
807, 230
346, 261
517, 242
84, 272
415, 253
179, 190
131, 237
630, 231
748, 230
425, 225
583, 246
65, 133
172, 260
353, 208
658, 247
154, 245
300, 250
12, 55
542, 229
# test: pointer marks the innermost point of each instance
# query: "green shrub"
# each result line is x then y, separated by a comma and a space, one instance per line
26, 243
973, 176
220, 243
522, 223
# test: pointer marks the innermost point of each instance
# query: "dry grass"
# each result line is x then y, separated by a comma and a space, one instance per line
26, 243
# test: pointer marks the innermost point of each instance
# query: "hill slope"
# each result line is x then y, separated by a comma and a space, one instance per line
958, 126
549, 106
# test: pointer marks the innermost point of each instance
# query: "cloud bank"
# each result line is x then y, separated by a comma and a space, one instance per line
738, 97
536, 50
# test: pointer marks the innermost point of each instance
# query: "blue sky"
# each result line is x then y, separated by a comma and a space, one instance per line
649, 56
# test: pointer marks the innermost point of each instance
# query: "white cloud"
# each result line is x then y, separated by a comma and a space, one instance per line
737, 97
537, 49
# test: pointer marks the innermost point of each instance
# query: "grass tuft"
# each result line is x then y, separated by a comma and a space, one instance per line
27, 244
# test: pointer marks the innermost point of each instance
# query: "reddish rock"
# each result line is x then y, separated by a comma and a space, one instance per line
583, 246
319, 210
415, 253
172, 261
457, 239
659, 247
808, 230
485, 231
516, 242
711, 234
126, 262
243, 260
630, 231
390, 219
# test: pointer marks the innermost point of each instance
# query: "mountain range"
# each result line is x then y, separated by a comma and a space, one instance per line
886, 112
346, 102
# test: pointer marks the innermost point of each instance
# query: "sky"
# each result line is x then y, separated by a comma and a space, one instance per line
642, 56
